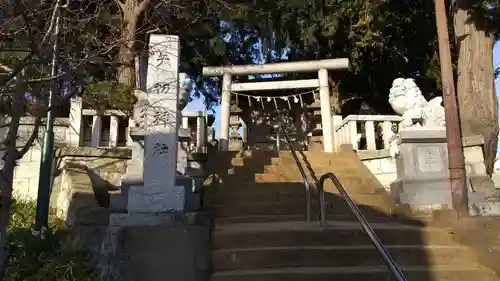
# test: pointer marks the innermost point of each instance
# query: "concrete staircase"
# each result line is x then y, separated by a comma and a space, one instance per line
260, 232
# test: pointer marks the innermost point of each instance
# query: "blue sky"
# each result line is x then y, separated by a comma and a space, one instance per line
198, 104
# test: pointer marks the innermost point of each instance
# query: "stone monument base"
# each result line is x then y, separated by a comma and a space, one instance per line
155, 245
421, 192
423, 176
424, 196
235, 145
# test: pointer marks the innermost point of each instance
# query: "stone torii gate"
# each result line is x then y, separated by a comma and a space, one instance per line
320, 66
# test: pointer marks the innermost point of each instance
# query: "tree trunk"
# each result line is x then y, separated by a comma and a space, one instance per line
126, 55
478, 103
7, 173
335, 100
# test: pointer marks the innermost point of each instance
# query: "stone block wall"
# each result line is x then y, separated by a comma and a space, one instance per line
382, 166
84, 176
27, 172
103, 161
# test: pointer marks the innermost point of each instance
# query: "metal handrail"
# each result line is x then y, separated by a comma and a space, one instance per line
384, 253
301, 169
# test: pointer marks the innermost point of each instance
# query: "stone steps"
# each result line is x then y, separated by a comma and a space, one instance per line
355, 273
295, 204
302, 233
339, 255
260, 232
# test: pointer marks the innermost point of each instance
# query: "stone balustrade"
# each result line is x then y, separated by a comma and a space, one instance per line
85, 128
376, 130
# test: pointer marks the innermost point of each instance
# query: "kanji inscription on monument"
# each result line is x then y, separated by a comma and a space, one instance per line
429, 159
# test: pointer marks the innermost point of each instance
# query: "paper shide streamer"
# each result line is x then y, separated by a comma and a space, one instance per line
297, 98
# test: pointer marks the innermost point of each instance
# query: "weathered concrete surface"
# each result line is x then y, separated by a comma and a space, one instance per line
381, 164
84, 178
174, 253
161, 246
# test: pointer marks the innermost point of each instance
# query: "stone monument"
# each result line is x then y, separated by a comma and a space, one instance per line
160, 121
153, 196
422, 168
421, 155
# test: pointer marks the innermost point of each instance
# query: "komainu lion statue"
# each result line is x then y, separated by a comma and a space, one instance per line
407, 100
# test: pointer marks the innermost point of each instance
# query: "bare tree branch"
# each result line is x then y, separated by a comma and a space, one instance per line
31, 140
29, 58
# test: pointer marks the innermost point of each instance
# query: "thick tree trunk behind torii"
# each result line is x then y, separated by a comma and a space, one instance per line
132, 11
477, 100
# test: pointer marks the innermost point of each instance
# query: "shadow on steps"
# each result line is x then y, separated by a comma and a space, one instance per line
260, 233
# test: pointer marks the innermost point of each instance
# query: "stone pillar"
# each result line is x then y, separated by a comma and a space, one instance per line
141, 68
201, 131
422, 167
159, 193
326, 110
370, 135
225, 112
96, 131
244, 132
387, 133
337, 136
113, 131
235, 142
75, 122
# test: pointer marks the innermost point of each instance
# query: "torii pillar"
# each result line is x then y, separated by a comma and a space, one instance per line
225, 113
321, 66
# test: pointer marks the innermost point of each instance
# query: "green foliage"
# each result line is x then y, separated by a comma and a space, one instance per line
484, 14
106, 95
43, 257
382, 39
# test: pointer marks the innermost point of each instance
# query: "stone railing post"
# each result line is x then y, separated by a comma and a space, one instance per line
113, 131
353, 134
386, 133
370, 135
96, 131
75, 122
337, 136
201, 131
345, 134
244, 132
